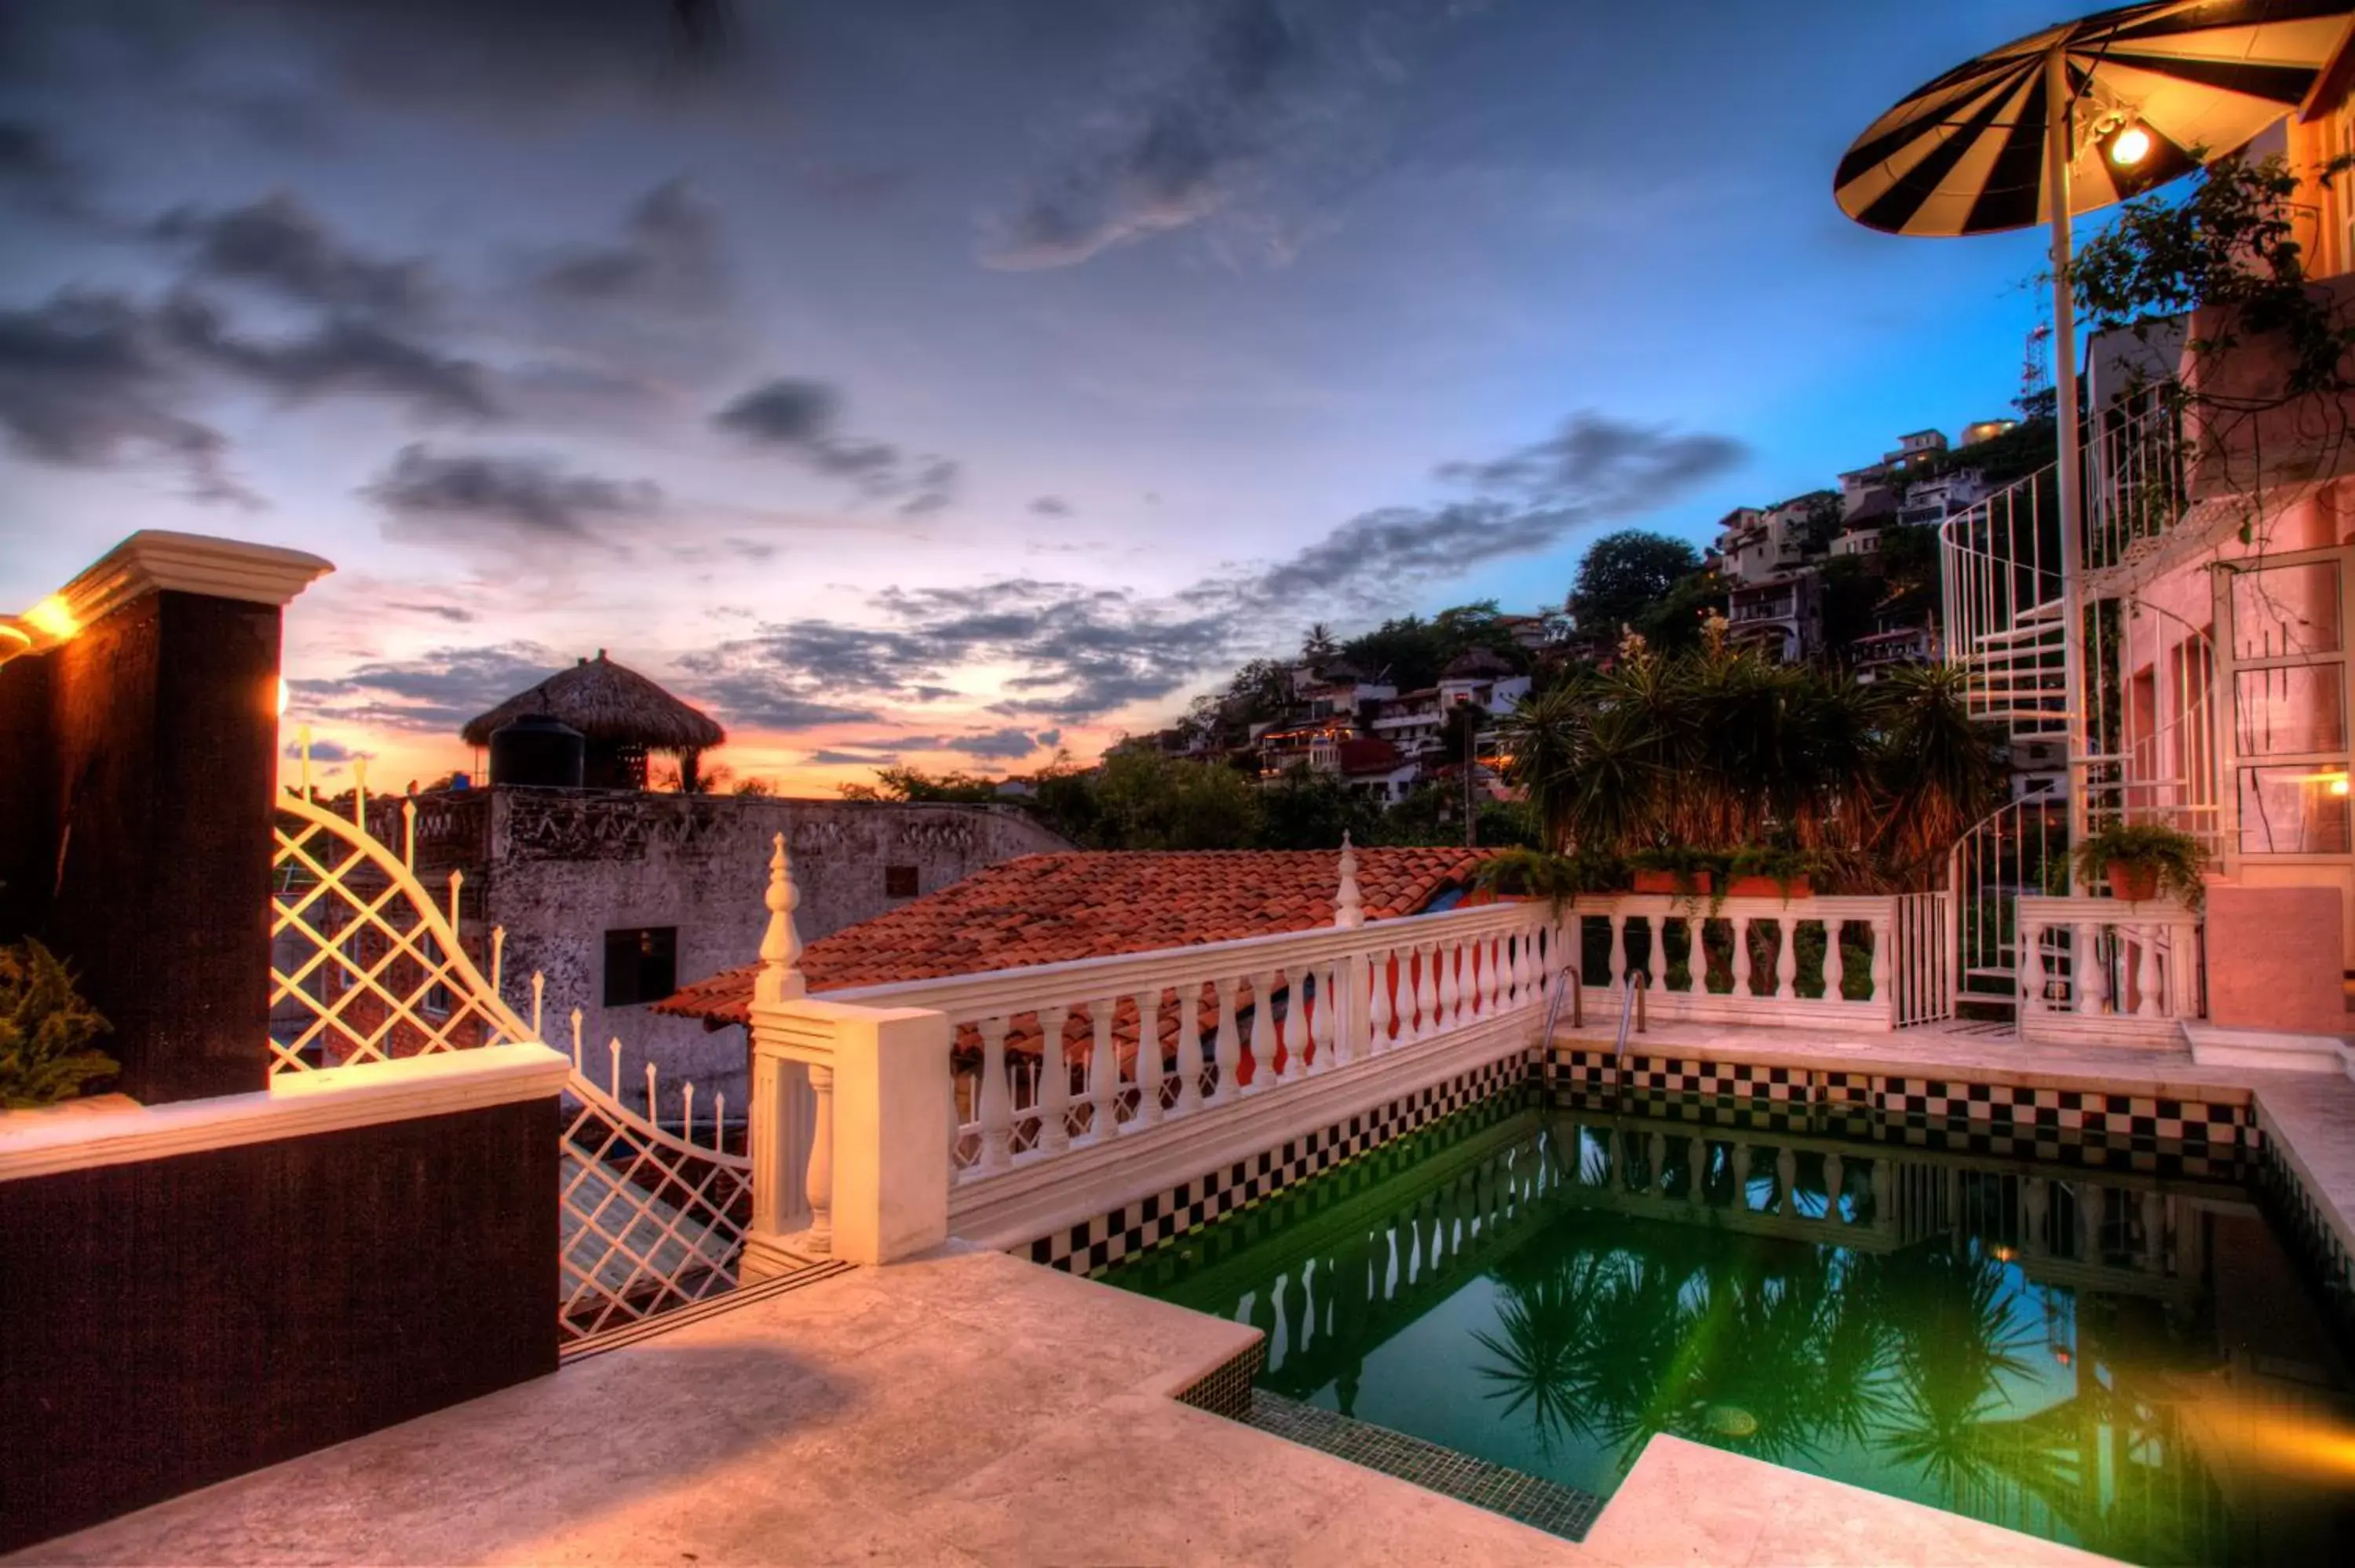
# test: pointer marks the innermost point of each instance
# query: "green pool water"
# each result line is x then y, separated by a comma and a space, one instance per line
2127, 1360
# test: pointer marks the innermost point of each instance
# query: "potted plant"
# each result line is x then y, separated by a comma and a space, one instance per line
1763, 870
1679, 870
2145, 860
46, 1029
1559, 878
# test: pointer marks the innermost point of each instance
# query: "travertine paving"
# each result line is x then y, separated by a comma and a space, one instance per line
963, 1408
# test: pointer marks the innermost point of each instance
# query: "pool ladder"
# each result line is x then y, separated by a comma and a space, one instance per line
1631, 1010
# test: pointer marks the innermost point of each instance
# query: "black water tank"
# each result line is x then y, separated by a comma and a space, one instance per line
538, 749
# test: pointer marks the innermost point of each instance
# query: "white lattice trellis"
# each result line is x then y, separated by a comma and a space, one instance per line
366, 966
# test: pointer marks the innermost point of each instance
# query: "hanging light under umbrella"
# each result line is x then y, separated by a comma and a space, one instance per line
2070, 120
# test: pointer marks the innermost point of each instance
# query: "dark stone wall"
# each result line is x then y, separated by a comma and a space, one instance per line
138, 844
171, 1324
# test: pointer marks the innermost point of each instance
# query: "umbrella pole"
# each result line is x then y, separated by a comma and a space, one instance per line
2060, 153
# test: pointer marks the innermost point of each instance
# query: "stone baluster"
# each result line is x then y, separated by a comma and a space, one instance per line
2091, 989
1741, 1173
1426, 990
1884, 957
1695, 1169
780, 979
1450, 958
1741, 925
1228, 1048
1103, 1072
2154, 1237
1293, 1028
1382, 977
1656, 1156
1189, 1049
1786, 1178
817, 1185
2183, 970
1787, 957
1321, 1031
1835, 1184
1054, 1080
1696, 954
1149, 1057
2092, 1201
996, 1107
1835, 965
2147, 976
1618, 975
1263, 1033
2032, 972
1882, 1188
2035, 1204
1349, 905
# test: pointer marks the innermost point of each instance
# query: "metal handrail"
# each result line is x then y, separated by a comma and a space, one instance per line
1632, 1007
1577, 1000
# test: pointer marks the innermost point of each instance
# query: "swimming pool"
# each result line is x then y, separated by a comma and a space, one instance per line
2111, 1348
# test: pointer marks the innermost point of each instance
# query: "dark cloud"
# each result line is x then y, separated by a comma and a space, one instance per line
1180, 157
475, 497
1052, 506
669, 255
280, 246
990, 745
37, 175
796, 417
341, 355
86, 381
783, 412
325, 751
831, 758
756, 696
435, 692
1002, 746
445, 611
1078, 652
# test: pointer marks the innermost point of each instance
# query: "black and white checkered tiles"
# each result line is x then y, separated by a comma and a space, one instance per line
1090, 1247
2006, 1106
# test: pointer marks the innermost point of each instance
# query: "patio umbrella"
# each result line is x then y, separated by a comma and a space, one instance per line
2070, 120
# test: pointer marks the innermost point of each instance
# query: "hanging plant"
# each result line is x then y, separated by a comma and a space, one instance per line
46, 1030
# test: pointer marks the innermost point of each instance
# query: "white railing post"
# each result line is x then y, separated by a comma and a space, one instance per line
1381, 972
1740, 925
1190, 1047
1103, 1072
1149, 1057
2089, 983
2031, 966
995, 1105
877, 1176
1054, 1081
1618, 976
2146, 1005
1836, 962
1227, 1049
1884, 967
1262, 1032
1787, 955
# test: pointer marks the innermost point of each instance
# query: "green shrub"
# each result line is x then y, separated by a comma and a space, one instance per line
46, 1029
2176, 856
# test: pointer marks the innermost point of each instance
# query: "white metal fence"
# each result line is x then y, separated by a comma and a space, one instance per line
368, 966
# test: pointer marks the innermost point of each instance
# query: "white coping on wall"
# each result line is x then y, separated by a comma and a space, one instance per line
296, 1105
2212, 1046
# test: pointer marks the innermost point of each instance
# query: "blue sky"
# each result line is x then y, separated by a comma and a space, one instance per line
942, 381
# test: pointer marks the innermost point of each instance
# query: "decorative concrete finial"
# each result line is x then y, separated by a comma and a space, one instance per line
1349, 905
780, 947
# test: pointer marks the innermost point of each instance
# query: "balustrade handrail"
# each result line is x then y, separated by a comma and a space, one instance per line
2058, 907
1000, 991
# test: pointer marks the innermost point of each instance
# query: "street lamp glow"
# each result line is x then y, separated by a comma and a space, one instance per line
2130, 147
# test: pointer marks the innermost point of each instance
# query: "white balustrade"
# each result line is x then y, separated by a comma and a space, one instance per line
2107, 969
1788, 990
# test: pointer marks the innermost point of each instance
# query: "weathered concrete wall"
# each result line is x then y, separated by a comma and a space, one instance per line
565, 867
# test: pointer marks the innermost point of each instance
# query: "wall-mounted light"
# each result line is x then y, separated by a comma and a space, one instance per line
2130, 146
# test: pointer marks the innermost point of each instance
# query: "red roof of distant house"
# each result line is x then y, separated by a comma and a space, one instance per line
1086, 903
1372, 755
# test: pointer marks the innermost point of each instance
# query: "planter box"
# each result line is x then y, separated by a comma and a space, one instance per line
1767, 888
1665, 881
2133, 883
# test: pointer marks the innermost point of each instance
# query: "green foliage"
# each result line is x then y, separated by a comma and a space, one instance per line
1146, 802
2228, 243
915, 784
1722, 747
2176, 858
1527, 872
1409, 651
1309, 809
1625, 576
1851, 594
46, 1030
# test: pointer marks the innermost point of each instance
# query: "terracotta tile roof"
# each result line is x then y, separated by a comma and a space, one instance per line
1084, 904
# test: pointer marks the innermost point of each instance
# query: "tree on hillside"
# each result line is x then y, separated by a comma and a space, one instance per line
1319, 643
1624, 574
915, 784
1309, 809
1148, 803
1409, 652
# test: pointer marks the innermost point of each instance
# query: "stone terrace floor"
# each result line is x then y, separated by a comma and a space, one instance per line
967, 1407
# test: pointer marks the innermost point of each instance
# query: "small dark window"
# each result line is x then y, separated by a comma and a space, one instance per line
898, 882
641, 965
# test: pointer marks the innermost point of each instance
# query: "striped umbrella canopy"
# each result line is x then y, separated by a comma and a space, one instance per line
1966, 154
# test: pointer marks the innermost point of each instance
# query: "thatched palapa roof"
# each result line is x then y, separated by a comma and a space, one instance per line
610, 703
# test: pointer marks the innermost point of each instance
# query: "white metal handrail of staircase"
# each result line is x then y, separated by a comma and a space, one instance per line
366, 966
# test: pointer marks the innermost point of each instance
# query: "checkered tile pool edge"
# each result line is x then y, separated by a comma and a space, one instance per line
1091, 1248
1531, 1499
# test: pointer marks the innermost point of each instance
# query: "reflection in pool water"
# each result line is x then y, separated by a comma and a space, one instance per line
2125, 1361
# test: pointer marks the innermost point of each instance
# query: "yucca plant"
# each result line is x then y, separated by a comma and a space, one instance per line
46, 1028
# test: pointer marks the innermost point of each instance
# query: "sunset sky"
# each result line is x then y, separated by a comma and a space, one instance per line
944, 380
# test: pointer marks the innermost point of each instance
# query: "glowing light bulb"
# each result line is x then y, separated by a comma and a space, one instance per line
2131, 146
2339, 784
